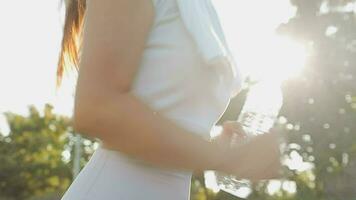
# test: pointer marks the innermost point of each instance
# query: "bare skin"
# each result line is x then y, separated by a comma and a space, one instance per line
114, 38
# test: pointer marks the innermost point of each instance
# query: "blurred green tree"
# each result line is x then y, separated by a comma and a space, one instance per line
31, 155
319, 105
35, 156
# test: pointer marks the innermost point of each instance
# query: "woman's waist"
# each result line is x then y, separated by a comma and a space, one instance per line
195, 123
128, 162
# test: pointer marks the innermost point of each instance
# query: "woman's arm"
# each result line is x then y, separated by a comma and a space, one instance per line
114, 38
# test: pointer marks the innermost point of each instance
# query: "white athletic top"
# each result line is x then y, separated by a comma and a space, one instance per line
174, 82
172, 78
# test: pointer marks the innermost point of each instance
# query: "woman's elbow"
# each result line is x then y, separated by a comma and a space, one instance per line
81, 121
86, 119
93, 110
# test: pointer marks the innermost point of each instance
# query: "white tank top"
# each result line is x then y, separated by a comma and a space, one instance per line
172, 78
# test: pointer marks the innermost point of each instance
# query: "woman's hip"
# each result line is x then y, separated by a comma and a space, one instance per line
111, 174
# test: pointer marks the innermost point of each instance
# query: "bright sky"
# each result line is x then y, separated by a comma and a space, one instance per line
30, 38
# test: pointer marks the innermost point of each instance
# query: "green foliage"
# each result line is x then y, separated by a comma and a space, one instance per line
31, 155
32, 158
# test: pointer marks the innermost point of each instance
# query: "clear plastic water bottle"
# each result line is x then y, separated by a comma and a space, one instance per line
258, 116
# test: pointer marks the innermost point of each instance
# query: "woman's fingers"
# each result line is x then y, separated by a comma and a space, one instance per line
259, 158
233, 127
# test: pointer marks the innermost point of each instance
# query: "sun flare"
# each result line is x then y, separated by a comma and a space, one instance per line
258, 50
278, 59
261, 55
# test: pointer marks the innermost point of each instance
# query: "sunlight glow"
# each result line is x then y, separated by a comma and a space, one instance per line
276, 59
295, 162
283, 58
209, 178
258, 50
261, 54
215, 130
274, 186
4, 127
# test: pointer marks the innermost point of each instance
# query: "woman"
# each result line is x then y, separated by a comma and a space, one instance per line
155, 76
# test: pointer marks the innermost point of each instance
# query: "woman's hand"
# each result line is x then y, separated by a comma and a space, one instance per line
230, 134
255, 159
230, 129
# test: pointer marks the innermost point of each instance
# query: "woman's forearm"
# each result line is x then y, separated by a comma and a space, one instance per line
127, 124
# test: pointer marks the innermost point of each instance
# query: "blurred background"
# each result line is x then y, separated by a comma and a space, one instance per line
306, 48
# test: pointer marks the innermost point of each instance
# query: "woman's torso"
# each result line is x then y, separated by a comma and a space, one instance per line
172, 78
174, 82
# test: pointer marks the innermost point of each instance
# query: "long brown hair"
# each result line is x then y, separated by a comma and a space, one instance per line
72, 38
